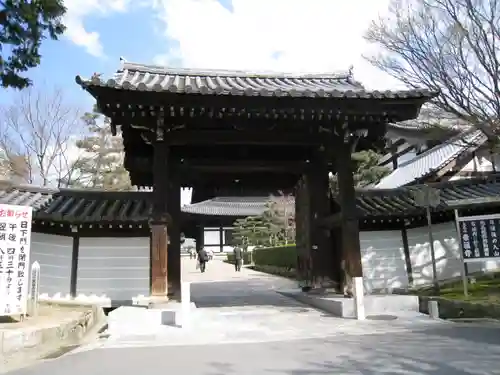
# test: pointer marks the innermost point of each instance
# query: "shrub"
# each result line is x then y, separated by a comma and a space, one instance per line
283, 257
278, 271
246, 258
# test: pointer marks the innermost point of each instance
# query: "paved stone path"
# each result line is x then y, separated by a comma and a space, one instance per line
245, 307
243, 326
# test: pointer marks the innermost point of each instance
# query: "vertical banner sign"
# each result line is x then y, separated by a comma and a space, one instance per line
15, 239
479, 237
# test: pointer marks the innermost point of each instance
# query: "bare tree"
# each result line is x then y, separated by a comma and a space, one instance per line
36, 137
450, 45
281, 210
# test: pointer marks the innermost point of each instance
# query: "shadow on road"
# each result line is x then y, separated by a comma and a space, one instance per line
239, 294
453, 350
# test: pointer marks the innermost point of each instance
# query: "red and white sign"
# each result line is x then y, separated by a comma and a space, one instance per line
15, 240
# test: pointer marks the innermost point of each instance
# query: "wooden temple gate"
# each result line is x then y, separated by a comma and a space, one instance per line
234, 131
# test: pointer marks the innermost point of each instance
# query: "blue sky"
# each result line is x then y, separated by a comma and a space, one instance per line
62, 60
292, 35
258, 35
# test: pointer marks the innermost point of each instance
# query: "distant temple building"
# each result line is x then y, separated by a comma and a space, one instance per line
419, 152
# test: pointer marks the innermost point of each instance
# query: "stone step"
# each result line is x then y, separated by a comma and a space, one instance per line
139, 319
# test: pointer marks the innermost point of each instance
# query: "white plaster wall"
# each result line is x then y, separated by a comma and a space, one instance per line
212, 240
446, 251
54, 255
383, 260
113, 269
211, 237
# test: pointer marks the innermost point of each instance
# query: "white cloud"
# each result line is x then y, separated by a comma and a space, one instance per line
291, 35
78, 10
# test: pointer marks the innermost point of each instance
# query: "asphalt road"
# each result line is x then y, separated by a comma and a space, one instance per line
247, 328
438, 351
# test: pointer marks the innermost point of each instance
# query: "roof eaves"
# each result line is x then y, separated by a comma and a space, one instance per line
465, 143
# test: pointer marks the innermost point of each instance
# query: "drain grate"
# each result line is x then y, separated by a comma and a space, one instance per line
61, 351
381, 317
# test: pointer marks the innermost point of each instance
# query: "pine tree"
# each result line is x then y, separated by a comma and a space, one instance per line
23, 27
367, 170
101, 165
252, 231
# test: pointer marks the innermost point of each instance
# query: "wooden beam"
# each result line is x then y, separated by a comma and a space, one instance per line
246, 137
243, 166
232, 164
235, 182
235, 152
399, 109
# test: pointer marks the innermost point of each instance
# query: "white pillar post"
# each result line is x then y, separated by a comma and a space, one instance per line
186, 303
359, 298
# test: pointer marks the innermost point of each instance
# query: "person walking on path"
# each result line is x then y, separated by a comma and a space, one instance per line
203, 259
238, 258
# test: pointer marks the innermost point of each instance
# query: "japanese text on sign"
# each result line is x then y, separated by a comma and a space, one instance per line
478, 237
15, 234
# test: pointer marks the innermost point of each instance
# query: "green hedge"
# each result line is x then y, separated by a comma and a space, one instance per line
282, 257
246, 258
278, 271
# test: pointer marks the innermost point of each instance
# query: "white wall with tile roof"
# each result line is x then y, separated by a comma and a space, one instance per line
384, 265
212, 240
383, 261
54, 255
447, 254
114, 269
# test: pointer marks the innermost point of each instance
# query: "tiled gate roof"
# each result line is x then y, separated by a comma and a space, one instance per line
141, 77
87, 206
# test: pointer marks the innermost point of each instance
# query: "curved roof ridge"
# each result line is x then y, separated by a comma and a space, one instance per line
158, 69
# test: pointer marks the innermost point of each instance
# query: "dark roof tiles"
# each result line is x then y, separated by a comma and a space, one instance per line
371, 203
80, 206
229, 206
222, 82
25, 196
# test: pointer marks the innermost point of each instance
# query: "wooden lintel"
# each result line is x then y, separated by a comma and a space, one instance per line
222, 137
242, 166
229, 165
399, 109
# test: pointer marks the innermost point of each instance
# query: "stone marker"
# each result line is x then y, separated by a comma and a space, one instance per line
34, 289
433, 308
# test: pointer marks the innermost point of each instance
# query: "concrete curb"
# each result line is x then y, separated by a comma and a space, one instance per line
456, 309
19, 345
311, 301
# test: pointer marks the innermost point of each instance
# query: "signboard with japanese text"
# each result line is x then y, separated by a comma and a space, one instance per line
479, 237
15, 239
